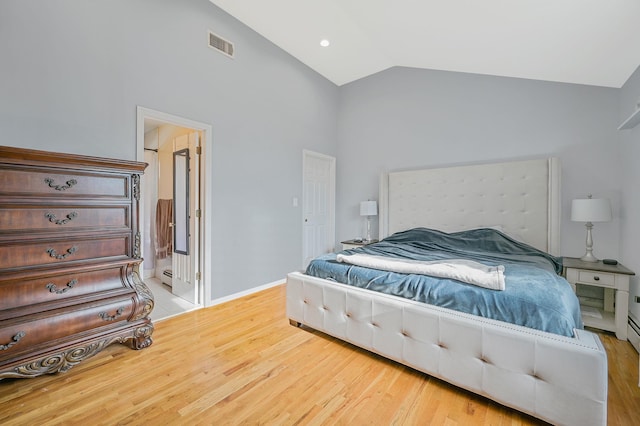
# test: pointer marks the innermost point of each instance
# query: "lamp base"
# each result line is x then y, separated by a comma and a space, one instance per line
589, 257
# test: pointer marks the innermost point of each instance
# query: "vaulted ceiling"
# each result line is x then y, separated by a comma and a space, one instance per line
594, 42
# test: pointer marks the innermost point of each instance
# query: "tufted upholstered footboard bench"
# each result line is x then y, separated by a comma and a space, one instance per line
558, 379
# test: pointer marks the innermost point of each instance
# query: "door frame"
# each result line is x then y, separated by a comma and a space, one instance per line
331, 228
206, 170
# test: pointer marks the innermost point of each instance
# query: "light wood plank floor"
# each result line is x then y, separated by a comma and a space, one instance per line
242, 363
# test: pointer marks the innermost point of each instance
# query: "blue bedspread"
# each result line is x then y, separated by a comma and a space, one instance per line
535, 295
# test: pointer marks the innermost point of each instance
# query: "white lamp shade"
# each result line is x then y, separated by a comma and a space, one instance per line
591, 210
368, 208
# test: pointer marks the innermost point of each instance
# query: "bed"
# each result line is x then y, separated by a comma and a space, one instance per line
558, 378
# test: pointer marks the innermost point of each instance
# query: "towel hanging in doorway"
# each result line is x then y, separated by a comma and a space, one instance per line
164, 237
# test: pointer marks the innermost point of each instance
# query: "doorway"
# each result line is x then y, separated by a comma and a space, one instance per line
174, 209
318, 205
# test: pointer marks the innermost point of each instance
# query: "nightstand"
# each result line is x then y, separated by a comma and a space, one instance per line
351, 244
603, 291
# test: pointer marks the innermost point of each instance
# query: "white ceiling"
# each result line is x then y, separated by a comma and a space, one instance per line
594, 42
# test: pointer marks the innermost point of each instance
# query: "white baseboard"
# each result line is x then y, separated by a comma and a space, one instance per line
246, 292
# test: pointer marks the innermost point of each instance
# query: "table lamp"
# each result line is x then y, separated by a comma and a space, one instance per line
368, 209
590, 210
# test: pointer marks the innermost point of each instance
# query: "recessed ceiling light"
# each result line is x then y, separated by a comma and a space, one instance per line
324, 43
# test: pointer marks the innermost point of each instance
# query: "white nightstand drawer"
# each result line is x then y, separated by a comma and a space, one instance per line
598, 278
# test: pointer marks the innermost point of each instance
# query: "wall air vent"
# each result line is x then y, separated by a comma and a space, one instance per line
221, 45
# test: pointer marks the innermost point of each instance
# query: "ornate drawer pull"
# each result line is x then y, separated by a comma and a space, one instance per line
55, 255
15, 339
54, 289
52, 218
68, 185
108, 317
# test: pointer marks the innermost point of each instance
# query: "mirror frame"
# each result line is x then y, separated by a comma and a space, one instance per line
181, 201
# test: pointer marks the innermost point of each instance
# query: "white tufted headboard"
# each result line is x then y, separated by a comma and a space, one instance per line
521, 197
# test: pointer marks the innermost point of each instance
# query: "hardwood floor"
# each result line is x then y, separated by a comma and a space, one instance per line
242, 363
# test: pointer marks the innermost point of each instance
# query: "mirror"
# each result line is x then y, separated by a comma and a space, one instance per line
181, 201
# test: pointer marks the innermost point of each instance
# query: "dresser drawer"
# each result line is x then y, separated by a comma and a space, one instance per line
601, 279
19, 255
25, 334
62, 184
16, 293
34, 218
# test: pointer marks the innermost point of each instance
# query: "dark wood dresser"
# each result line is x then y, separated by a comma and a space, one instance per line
69, 257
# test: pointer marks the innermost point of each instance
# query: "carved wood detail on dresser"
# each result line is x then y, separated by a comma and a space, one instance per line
69, 258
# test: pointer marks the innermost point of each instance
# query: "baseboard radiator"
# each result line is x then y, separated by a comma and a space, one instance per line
167, 277
634, 332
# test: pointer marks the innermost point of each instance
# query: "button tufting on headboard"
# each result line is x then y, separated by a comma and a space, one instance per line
522, 197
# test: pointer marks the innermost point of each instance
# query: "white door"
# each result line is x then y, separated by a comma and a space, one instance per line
186, 206
318, 205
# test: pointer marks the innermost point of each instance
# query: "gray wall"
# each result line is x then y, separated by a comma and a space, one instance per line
73, 72
630, 154
405, 118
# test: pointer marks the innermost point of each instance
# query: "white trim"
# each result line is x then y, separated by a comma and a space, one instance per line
247, 292
206, 172
195, 308
148, 273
